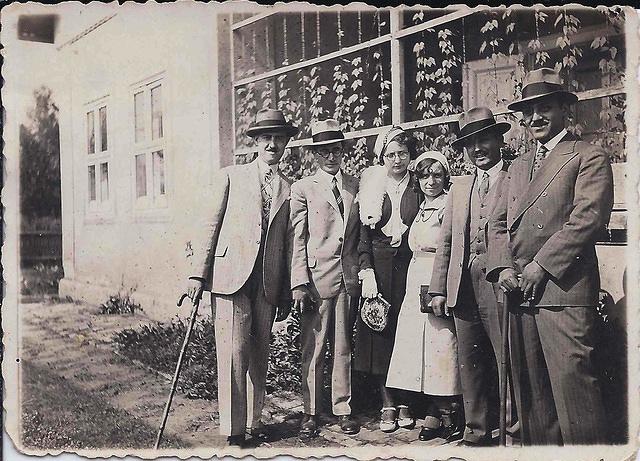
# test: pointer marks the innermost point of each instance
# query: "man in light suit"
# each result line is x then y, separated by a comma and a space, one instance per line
242, 258
557, 199
458, 282
324, 272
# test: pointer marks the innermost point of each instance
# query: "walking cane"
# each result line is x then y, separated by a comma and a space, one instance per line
174, 383
504, 359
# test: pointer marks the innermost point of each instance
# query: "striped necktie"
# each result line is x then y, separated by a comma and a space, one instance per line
541, 154
338, 196
484, 186
267, 194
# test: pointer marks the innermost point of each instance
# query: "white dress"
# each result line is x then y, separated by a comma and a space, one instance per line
425, 352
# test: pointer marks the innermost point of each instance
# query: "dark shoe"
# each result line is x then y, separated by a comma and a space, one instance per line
308, 427
348, 425
236, 440
260, 433
428, 433
484, 442
452, 432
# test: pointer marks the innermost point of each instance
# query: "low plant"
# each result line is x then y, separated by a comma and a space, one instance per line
121, 303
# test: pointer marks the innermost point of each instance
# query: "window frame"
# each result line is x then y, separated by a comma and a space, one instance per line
397, 32
150, 204
100, 207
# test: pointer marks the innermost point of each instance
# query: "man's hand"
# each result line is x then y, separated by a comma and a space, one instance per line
283, 310
194, 290
439, 305
533, 276
508, 280
302, 298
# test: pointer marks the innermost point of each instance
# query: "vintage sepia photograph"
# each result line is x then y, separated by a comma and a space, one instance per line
316, 231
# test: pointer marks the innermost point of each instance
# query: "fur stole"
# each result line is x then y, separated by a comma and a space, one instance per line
373, 187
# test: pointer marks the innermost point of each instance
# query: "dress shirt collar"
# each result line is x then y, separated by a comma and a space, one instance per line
493, 173
326, 177
263, 167
553, 142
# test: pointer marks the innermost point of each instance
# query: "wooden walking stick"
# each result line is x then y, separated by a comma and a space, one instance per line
174, 383
504, 360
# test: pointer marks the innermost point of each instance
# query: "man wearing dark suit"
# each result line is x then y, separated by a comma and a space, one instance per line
242, 258
324, 274
558, 197
459, 284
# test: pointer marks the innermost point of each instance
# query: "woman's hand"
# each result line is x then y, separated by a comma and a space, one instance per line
369, 284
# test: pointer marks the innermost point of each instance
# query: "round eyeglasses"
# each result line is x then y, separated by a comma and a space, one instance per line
325, 153
403, 155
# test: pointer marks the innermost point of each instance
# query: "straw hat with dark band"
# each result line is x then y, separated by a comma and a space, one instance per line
325, 132
542, 83
478, 120
270, 120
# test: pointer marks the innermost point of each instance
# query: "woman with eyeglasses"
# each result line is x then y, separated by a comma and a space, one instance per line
388, 204
425, 353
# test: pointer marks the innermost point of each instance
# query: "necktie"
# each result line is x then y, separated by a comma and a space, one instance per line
267, 193
541, 154
338, 196
484, 186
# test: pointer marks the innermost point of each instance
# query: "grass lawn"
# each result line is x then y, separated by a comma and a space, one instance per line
58, 415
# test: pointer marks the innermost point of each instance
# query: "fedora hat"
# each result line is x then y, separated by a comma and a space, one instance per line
540, 83
325, 132
271, 120
478, 120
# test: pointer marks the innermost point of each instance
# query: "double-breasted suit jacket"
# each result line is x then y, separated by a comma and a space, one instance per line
553, 218
325, 260
233, 235
324, 244
246, 268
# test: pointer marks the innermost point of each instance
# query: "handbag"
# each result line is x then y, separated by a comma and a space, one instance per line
375, 313
425, 300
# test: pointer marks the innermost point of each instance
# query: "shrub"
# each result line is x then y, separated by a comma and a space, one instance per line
41, 280
120, 303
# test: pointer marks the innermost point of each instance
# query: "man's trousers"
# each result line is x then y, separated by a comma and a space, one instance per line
557, 392
243, 324
329, 320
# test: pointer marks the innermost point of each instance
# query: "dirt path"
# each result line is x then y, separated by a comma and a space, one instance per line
69, 346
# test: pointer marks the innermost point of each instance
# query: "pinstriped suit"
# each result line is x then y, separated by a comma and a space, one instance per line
554, 219
246, 268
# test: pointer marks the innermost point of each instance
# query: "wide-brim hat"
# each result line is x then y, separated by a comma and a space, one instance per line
542, 83
478, 120
271, 120
325, 132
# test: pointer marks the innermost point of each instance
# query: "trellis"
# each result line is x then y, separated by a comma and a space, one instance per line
393, 39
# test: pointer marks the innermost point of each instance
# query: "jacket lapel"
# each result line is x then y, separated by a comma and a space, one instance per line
555, 161
348, 193
463, 196
496, 190
280, 195
254, 192
325, 190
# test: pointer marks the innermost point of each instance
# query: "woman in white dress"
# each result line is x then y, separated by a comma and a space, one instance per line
425, 352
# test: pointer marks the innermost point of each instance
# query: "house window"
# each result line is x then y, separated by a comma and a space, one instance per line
420, 68
98, 158
149, 148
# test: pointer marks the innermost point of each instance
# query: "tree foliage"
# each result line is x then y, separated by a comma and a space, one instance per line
40, 159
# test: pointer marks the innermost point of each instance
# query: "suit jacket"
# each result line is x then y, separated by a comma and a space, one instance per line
554, 219
452, 255
231, 238
324, 244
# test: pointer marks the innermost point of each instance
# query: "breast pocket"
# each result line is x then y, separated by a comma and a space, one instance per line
312, 262
221, 251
